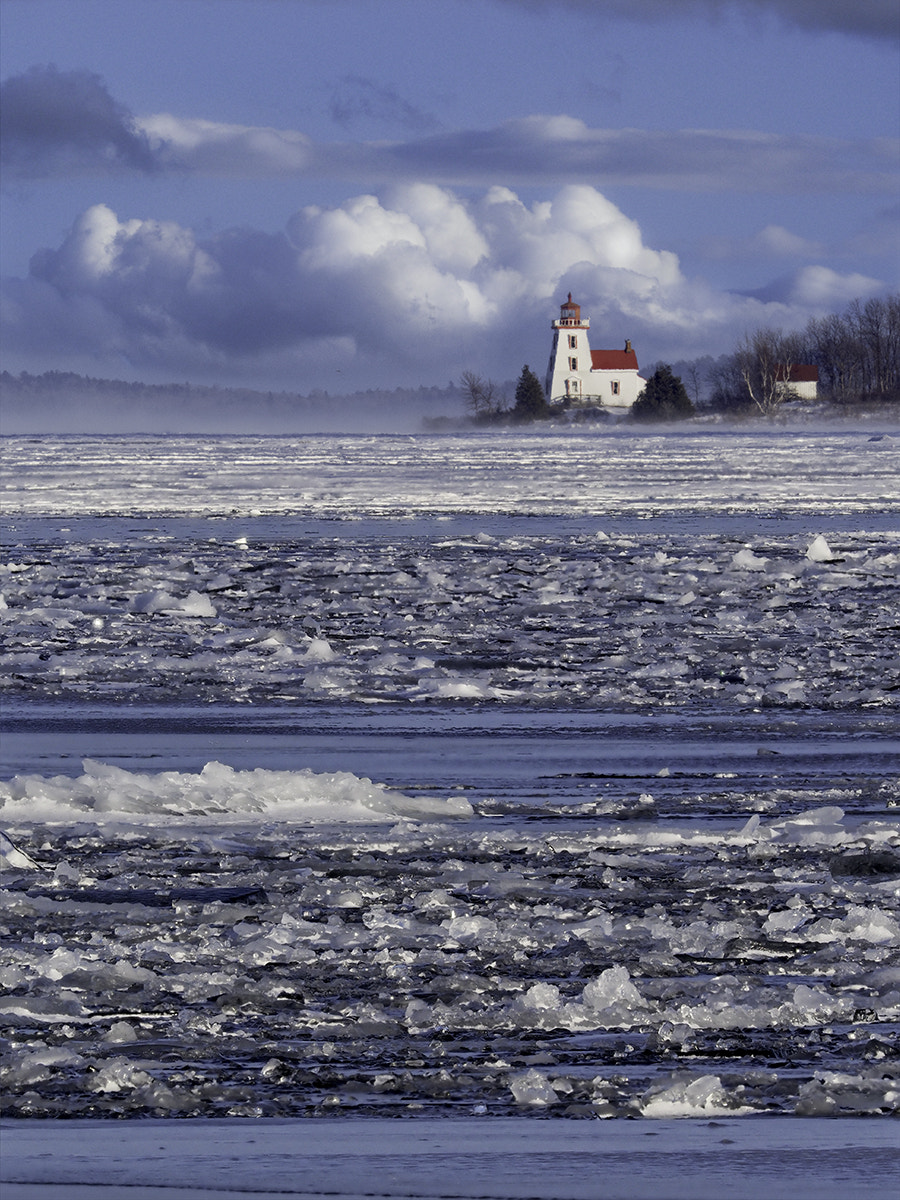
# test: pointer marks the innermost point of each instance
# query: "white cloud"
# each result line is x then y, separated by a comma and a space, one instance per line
815, 289
212, 148
540, 149
450, 231
777, 240
772, 242
338, 239
410, 287
873, 247
821, 287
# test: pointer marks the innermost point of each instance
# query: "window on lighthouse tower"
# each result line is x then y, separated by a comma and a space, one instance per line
573, 364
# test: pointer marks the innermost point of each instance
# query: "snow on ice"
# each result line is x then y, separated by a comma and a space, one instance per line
550, 775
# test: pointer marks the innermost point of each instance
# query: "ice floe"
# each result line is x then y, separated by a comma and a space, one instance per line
107, 792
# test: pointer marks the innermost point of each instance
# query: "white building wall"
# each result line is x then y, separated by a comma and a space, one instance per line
616, 389
804, 389
569, 369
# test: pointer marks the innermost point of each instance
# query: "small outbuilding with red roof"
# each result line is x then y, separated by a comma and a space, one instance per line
797, 380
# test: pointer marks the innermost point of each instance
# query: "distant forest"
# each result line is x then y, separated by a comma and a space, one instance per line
63, 402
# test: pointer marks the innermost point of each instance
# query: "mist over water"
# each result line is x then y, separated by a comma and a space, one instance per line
61, 403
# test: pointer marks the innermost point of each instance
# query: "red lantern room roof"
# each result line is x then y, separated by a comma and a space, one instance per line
570, 315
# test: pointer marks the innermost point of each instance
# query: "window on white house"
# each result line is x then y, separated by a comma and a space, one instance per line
615, 387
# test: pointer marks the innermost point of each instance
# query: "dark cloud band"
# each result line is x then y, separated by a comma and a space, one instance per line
54, 122
861, 18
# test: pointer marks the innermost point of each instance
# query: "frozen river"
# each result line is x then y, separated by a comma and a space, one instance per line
602, 476
466, 775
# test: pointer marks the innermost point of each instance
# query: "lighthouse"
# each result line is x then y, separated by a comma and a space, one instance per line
577, 375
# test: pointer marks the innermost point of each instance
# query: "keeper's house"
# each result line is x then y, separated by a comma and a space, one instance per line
578, 375
798, 381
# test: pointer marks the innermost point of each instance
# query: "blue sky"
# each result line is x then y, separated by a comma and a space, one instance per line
346, 194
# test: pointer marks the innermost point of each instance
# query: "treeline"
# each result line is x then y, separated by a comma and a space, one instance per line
65, 402
67, 386
857, 353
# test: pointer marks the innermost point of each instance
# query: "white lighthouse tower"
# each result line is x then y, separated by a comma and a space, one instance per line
576, 374
570, 357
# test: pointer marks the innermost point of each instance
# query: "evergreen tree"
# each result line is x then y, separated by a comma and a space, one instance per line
663, 399
531, 403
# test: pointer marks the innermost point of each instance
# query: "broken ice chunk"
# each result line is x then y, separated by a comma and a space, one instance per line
612, 989
746, 560
531, 1087
691, 1098
319, 650
819, 550
194, 604
16, 857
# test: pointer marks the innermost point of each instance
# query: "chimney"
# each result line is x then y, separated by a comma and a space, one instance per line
628, 345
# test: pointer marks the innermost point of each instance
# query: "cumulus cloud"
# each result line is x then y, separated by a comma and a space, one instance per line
411, 286
157, 284
777, 240
863, 18
55, 122
874, 247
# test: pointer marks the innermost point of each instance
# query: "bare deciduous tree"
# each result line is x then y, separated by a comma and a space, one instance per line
482, 396
765, 359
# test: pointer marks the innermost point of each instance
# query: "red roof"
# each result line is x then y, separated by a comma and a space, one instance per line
797, 373
614, 360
